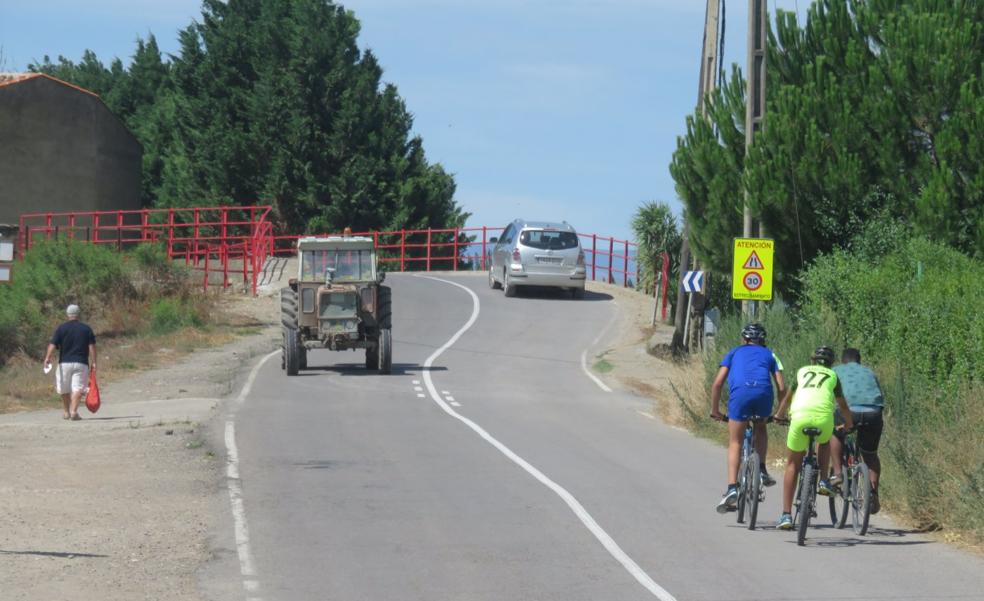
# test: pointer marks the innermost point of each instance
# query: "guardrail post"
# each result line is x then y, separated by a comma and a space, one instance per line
144, 225
625, 274
170, 233
205, 283
47, 223
71, 226
484, 245
594, 255
95, 229
197, 220
455, 259
224, 257
611, 257
403, 250
428, 249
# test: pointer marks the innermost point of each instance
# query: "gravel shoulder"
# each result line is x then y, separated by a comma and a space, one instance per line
121, 505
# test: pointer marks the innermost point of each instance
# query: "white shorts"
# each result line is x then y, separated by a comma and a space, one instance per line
71, 377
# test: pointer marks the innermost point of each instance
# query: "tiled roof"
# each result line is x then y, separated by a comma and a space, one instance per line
9, 79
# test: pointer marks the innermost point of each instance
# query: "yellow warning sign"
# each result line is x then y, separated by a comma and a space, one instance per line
752, 272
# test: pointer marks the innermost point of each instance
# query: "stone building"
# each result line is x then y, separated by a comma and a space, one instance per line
62, 149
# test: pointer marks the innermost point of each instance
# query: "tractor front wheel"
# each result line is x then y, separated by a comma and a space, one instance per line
385, 351
291, 352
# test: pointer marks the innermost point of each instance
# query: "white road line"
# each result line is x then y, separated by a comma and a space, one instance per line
247, 566
646, 415
455, 404
449, 399
582, 514
584, 355
416, 381
418, 388
421, 395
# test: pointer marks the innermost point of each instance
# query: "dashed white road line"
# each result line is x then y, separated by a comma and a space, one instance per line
247, 566
455, 403
582, 514
421, 395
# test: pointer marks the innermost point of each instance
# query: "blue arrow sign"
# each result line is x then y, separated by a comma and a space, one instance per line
693, 281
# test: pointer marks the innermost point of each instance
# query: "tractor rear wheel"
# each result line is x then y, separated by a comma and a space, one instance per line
288, 307
372, 357
385, 315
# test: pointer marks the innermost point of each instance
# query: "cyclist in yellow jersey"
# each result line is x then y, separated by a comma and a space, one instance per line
814, 392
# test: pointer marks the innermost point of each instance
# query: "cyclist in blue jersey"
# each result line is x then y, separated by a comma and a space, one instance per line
751, 371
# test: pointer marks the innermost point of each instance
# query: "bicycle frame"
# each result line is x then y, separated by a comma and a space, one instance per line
854, 489
750, 491
808, 478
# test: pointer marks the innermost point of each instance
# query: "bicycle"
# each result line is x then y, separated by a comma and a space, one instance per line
854, 491
750, 489
805, 501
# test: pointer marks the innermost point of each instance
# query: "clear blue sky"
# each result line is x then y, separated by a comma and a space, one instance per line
543, 109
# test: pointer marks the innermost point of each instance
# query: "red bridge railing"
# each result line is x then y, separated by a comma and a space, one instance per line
468, 249
233, 241
237, 241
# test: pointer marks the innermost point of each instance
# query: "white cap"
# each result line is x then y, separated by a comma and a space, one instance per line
72, 310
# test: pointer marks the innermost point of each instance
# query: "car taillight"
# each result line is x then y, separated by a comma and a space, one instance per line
580, 258
516, 256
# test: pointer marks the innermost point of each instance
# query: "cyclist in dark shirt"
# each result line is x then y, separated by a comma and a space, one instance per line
76, 344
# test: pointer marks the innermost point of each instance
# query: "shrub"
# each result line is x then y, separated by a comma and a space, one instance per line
151, 265
915, 310
170, 314
51, 276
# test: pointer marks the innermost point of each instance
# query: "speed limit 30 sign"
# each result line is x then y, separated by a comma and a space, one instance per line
752, 269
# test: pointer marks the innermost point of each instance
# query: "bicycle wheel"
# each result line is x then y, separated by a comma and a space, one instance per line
860, 499
754, 483
742, 490
796, 499
840, 504
807, 491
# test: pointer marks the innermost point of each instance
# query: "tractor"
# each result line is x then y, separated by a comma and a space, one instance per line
336, 302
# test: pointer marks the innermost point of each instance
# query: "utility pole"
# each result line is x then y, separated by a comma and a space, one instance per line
754, 105
707, 83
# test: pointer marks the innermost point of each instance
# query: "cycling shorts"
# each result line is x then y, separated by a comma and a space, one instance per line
869, 426
797, 441
750, 402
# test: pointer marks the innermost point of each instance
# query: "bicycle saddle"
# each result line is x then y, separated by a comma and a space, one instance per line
811, 431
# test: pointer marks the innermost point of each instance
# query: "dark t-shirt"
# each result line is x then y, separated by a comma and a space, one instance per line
73, 339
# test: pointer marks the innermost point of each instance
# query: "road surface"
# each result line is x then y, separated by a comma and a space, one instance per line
490, 466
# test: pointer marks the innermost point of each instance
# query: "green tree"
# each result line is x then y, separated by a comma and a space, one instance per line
655, 229
873, 108
273, 101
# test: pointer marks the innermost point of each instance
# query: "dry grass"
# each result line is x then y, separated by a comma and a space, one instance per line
25, 387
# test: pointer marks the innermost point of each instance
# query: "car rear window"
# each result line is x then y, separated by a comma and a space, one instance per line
548, 239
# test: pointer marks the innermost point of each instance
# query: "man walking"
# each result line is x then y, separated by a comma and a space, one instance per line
76, 344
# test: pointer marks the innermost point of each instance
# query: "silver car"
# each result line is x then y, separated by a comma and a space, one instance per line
537, 253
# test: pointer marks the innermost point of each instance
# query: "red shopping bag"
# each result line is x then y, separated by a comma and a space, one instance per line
92, 399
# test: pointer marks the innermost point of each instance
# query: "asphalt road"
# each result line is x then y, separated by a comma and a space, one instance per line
504, 472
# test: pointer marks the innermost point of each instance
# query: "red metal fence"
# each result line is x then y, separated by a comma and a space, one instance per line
237, 241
